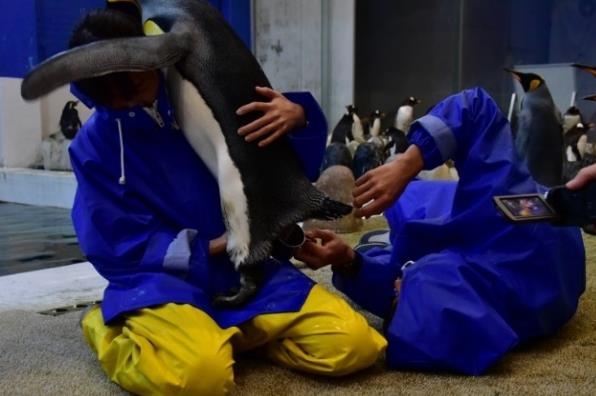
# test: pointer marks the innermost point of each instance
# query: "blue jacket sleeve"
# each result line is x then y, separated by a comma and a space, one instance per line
447, 131
371, 286
118, 232
309, 142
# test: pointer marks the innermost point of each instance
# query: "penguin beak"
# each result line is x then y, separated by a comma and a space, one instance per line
590, 97
586, 68
514, 73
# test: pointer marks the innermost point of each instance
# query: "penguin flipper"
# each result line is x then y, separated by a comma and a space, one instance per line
104, 57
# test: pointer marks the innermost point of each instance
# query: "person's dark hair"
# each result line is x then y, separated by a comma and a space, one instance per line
101, 25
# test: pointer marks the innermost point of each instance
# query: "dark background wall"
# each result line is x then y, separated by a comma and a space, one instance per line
432, 48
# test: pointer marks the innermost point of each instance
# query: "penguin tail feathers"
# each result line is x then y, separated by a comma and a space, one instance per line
330, 209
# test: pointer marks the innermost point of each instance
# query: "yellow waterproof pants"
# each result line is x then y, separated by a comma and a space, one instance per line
179, 350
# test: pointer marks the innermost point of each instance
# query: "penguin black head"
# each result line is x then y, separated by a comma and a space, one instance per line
529, 81
112, 89
351, 109
71, 104
411, 101
377, 114
573, 111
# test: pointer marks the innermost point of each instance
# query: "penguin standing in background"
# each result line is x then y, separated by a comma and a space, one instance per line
70, 123
348, 124
374, 129
397, 142
336, 154
575, 141
368, 156
571, 118
592, 71
539, 135
405, 114
573, 130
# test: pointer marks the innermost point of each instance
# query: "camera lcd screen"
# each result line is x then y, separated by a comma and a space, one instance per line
529, 207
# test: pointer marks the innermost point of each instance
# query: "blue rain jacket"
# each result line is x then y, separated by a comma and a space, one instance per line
478, 285
149, 237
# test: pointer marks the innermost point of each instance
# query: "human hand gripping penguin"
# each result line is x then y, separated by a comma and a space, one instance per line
210, 74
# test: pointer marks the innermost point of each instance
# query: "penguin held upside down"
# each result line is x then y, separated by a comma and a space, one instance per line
539, 135
210, 73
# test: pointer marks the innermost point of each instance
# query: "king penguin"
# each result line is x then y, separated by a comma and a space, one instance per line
539, 135
209, 73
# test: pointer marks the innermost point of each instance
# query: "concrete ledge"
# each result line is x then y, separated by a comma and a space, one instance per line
51, 288
37, 187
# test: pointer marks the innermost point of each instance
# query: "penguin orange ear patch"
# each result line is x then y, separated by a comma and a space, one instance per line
152, 29
534, 84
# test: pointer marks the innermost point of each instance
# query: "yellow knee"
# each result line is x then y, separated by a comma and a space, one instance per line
161, 360
355, 347
326, 336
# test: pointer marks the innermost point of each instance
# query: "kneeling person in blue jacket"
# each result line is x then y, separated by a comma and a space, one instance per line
147, 215
472, 285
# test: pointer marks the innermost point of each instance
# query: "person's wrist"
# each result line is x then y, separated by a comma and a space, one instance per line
351, 266
411, 160
300, 116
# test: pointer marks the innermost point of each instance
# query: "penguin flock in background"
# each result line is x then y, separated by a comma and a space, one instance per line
363, 143
554, 146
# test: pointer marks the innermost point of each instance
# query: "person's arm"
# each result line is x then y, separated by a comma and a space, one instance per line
378, 188
296, 115
448, 131
583, 177
280, 116
364, 277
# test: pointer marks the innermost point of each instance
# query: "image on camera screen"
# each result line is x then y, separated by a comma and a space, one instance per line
525, 207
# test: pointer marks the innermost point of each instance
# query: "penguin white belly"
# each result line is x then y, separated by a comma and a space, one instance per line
357, 129
404, 117
375, 130
204, 134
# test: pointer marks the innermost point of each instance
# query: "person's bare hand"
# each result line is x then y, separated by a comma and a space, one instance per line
324, 247
378, 188
583, 177
218, 245
279, 116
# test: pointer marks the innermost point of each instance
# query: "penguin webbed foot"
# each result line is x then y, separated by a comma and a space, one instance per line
250, 282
